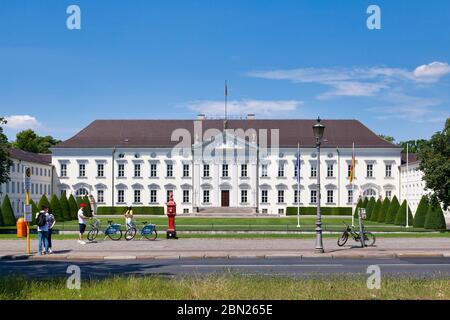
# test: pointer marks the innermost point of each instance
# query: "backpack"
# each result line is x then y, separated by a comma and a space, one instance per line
41, 219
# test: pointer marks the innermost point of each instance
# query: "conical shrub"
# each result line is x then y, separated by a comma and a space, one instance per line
44, 202
382, 214
65, 207
56, 208
34, 211
358, 205
400, 218
7, 212
421, 213
73, 207
435, 217
392, 212
376, 210
1, 217
369, 208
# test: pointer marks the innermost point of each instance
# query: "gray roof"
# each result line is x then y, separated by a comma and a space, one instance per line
30, 156
157, 133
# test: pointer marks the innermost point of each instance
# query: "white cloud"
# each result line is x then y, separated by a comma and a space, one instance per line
22, 122
243, 107
431, 72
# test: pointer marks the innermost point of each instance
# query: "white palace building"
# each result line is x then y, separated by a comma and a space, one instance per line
246, 165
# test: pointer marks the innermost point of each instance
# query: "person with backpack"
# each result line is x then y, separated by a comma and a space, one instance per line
51, 223
42, 228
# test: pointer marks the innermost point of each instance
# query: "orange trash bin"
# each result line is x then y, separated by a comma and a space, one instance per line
21, 228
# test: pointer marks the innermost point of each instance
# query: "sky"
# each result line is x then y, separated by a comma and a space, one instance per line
140, 59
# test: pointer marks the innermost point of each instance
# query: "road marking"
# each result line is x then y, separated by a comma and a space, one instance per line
259, 265
414, 265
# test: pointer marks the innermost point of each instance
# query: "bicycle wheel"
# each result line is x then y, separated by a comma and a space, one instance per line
152, 236
369, 239
130, 233
343, 239
115, 236
92, 234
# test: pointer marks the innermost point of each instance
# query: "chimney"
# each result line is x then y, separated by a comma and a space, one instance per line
201, 116
251, 116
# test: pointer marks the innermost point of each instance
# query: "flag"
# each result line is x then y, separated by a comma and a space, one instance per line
297, 166
352, 166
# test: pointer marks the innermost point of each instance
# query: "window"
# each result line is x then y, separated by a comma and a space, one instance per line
388, 194
170, 170
40, 172
330, 170
100, 170
153, 170
244, 198
120, 196
349, 171
389, 170
313, 170
40, 188
168, 195
330, 196
153, 196
350, 196
81, 192
264, 196
370, 170
137, 196
244, 170
100, 196
280, 211
280, 196
121, 170
295, 171
185, 210
296, 196
206, 170
224, 170
82, 170
185, 170
205, 196
264, 211
13, 187
264, 170
281, 170
137, 170
63, 170
185, 196
369, 193
45, 189
313, 196
13, 168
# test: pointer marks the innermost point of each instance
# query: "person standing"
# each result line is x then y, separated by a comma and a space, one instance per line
51, 223
81, 222
42, 228
129, 217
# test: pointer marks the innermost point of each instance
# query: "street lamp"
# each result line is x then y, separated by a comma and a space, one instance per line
318, 130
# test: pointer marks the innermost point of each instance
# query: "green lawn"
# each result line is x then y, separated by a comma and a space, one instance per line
225, 286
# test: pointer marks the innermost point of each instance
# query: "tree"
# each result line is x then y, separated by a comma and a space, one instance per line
400, 218
382, 214
392, 212
376, 210
28, 140
34, 210
387, 138
73, 207
358, 205
435, 217
56, 208
88, 210
44, 202
5, 161
7, 212
369, 208
421, 213
1, 217
365, 203
435, 165
65, 207
414, 146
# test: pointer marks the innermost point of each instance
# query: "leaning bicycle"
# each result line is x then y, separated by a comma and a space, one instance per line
369, 238
148, 231
112, 231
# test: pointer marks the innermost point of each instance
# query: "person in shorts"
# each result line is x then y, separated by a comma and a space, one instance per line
82, 223
129, 217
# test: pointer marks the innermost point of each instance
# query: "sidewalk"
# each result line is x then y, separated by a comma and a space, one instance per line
226, 248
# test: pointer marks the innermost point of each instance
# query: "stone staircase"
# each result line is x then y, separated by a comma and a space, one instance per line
226, 211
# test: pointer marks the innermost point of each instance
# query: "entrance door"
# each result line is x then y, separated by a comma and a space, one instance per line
225, 198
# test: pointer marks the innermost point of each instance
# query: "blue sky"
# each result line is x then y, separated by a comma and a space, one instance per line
169, 59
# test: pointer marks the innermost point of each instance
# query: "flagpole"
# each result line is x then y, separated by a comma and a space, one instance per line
406, 190
353, 185
298, 184
226, 98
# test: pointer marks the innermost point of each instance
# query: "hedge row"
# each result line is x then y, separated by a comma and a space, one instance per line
326, 211
136, 210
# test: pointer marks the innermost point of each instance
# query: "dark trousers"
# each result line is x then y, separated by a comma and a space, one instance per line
49, 238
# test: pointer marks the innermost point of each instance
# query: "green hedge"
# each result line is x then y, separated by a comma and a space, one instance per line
136, 210
421, 213
326, 211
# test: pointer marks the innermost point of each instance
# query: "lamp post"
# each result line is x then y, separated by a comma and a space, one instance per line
318, 130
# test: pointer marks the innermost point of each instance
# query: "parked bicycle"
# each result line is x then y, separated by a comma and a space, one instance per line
112, 231
369, 238
148, 231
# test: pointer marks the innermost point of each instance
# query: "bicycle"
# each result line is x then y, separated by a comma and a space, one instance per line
148, 231
112, 231
369, 238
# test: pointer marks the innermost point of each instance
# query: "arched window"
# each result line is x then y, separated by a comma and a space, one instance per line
369, 193
82, 192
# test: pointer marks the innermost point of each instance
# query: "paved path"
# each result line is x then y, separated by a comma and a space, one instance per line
228, 248
307, 267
